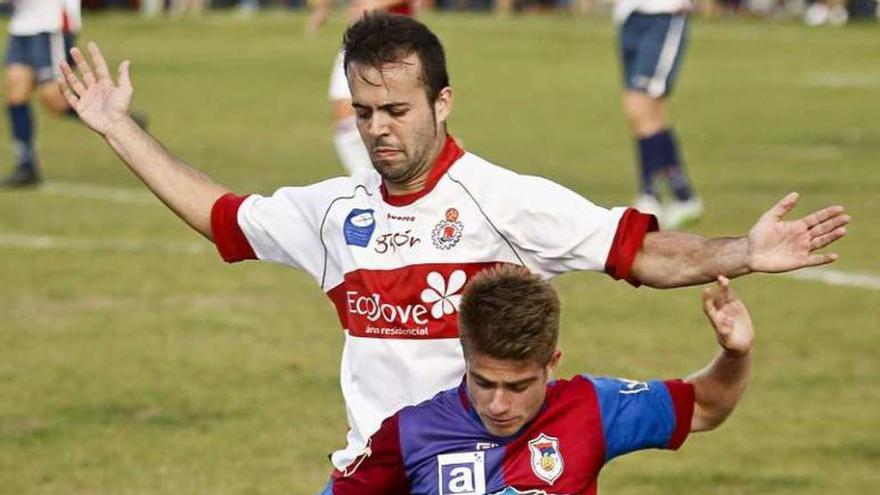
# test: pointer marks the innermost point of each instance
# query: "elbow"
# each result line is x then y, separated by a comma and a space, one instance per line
707, 421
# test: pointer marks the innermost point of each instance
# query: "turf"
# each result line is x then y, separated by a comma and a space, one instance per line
133, 361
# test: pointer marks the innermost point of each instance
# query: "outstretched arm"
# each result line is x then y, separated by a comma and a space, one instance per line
104, 106
773, 245
719, 386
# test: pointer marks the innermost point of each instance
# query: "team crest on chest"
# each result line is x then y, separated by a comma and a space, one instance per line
447, 232
547, 461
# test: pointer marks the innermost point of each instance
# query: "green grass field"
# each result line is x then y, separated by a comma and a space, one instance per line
133, 361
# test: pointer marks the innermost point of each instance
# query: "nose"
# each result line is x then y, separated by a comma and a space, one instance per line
378, 124
500, 403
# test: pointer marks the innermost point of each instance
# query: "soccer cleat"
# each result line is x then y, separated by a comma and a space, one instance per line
22, 177
678, 214
647, 203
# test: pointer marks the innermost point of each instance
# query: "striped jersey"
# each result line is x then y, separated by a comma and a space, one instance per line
440, 447
394, 266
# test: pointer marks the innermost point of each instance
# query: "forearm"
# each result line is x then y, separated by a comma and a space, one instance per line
678, 259
718, 388
187, 192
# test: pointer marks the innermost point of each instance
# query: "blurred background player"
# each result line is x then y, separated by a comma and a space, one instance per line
35, 49
510, 427
653, 37
346, 138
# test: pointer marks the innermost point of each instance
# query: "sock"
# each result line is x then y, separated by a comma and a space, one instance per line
661, 154
350, 147
22, 135
650, 152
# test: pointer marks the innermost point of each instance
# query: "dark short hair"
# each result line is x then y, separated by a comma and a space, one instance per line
509, 313
380, 38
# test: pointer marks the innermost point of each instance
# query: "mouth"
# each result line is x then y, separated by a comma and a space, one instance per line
501, 422
385, 153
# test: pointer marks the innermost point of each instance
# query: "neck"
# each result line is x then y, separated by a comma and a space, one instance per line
419, 180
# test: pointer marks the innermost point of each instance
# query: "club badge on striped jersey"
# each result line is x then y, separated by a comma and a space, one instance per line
547, 461
447, 232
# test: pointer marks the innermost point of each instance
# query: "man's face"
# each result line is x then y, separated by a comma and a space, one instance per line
395, 119
507, 394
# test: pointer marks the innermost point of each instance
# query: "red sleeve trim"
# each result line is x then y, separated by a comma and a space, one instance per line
682, 394
228, 237
379, 470
631, 231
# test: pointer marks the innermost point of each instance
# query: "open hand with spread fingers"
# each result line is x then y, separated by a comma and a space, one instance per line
777, 245
729, 317
99, 102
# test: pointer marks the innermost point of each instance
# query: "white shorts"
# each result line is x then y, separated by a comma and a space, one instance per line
338, 83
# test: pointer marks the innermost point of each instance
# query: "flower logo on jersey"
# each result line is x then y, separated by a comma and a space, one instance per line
546, 459
443, 295
447, 233
358, 227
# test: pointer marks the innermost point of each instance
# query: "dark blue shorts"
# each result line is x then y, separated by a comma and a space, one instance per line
41, 52
651, 48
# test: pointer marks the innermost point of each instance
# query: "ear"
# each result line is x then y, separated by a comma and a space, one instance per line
553, 364
443, 105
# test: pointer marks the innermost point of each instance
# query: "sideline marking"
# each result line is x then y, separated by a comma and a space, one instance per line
837, 278
54, 243
49, 243
94, 191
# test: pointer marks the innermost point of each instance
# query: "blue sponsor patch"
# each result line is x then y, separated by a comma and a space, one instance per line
359, 226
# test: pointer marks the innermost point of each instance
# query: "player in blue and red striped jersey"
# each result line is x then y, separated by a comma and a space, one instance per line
510, 429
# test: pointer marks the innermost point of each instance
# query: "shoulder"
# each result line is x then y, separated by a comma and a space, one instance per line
487, 182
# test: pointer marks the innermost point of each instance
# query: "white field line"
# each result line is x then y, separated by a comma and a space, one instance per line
838, 278
55, 243
92, 191
825, 276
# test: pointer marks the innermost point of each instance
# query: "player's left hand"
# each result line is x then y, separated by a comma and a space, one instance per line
777, 245
729, 317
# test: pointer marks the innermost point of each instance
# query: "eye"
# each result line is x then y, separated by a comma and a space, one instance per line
483, 384
363, 113
397, 112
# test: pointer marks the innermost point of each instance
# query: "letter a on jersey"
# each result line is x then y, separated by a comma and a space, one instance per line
546, 458
462, 473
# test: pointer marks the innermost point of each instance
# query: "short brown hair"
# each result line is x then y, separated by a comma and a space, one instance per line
507, 312
380, 38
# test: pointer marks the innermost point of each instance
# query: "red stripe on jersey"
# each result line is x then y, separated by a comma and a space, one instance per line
411, 302
682, 394
228, 236
448, 155
380, 469
65, 23
631, 231
571, 416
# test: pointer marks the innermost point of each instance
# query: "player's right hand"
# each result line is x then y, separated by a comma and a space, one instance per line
99, 102
729, 317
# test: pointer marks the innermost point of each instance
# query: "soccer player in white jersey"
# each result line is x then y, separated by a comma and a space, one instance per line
653, 38
33, 54
392, 247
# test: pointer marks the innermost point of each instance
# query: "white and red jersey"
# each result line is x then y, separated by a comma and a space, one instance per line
30, 17
394, 266
623, 8
72, 19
